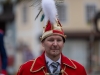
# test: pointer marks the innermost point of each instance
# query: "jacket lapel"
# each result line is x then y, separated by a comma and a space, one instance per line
38, 64
67, 62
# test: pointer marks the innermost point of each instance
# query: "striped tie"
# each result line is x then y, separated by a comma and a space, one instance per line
54, 66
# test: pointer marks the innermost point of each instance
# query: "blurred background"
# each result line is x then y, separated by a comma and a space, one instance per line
81, 24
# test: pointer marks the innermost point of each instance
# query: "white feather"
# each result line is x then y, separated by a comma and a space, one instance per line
50, 11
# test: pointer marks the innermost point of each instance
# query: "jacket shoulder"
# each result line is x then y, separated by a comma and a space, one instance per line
25, 67
28, 64
77, 64
80, 68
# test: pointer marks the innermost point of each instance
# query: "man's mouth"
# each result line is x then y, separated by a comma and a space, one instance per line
54, 49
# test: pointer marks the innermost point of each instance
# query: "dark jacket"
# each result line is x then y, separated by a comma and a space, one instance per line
3, 53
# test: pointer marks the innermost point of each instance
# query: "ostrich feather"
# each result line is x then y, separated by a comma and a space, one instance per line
49, 10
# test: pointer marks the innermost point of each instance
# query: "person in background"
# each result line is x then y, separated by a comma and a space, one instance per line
52, 61
27, 54
3, 55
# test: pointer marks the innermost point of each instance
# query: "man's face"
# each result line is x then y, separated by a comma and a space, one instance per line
53, 45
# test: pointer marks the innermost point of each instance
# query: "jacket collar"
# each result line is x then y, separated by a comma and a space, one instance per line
68, 62
40, 63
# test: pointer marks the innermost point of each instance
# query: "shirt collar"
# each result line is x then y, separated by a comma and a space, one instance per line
49, 61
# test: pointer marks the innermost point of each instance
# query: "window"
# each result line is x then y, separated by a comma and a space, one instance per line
61, 11
90, 12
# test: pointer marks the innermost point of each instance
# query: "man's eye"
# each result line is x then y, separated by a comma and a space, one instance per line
59, 40
51, 40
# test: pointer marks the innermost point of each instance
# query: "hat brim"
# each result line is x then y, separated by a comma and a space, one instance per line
51, 32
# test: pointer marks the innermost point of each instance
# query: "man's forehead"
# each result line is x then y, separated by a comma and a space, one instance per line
54, 36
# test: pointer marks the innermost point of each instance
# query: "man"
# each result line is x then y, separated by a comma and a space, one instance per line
3, 55
52, 61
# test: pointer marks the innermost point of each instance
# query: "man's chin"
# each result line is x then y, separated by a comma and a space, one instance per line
55, 54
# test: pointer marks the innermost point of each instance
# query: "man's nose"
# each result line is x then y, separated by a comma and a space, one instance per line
55, 43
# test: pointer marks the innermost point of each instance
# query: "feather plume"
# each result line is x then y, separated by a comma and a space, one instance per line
50, 11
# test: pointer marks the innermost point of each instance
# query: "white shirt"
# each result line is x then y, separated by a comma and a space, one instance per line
50, 61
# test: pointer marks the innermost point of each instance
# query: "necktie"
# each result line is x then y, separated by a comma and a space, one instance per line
54, 66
